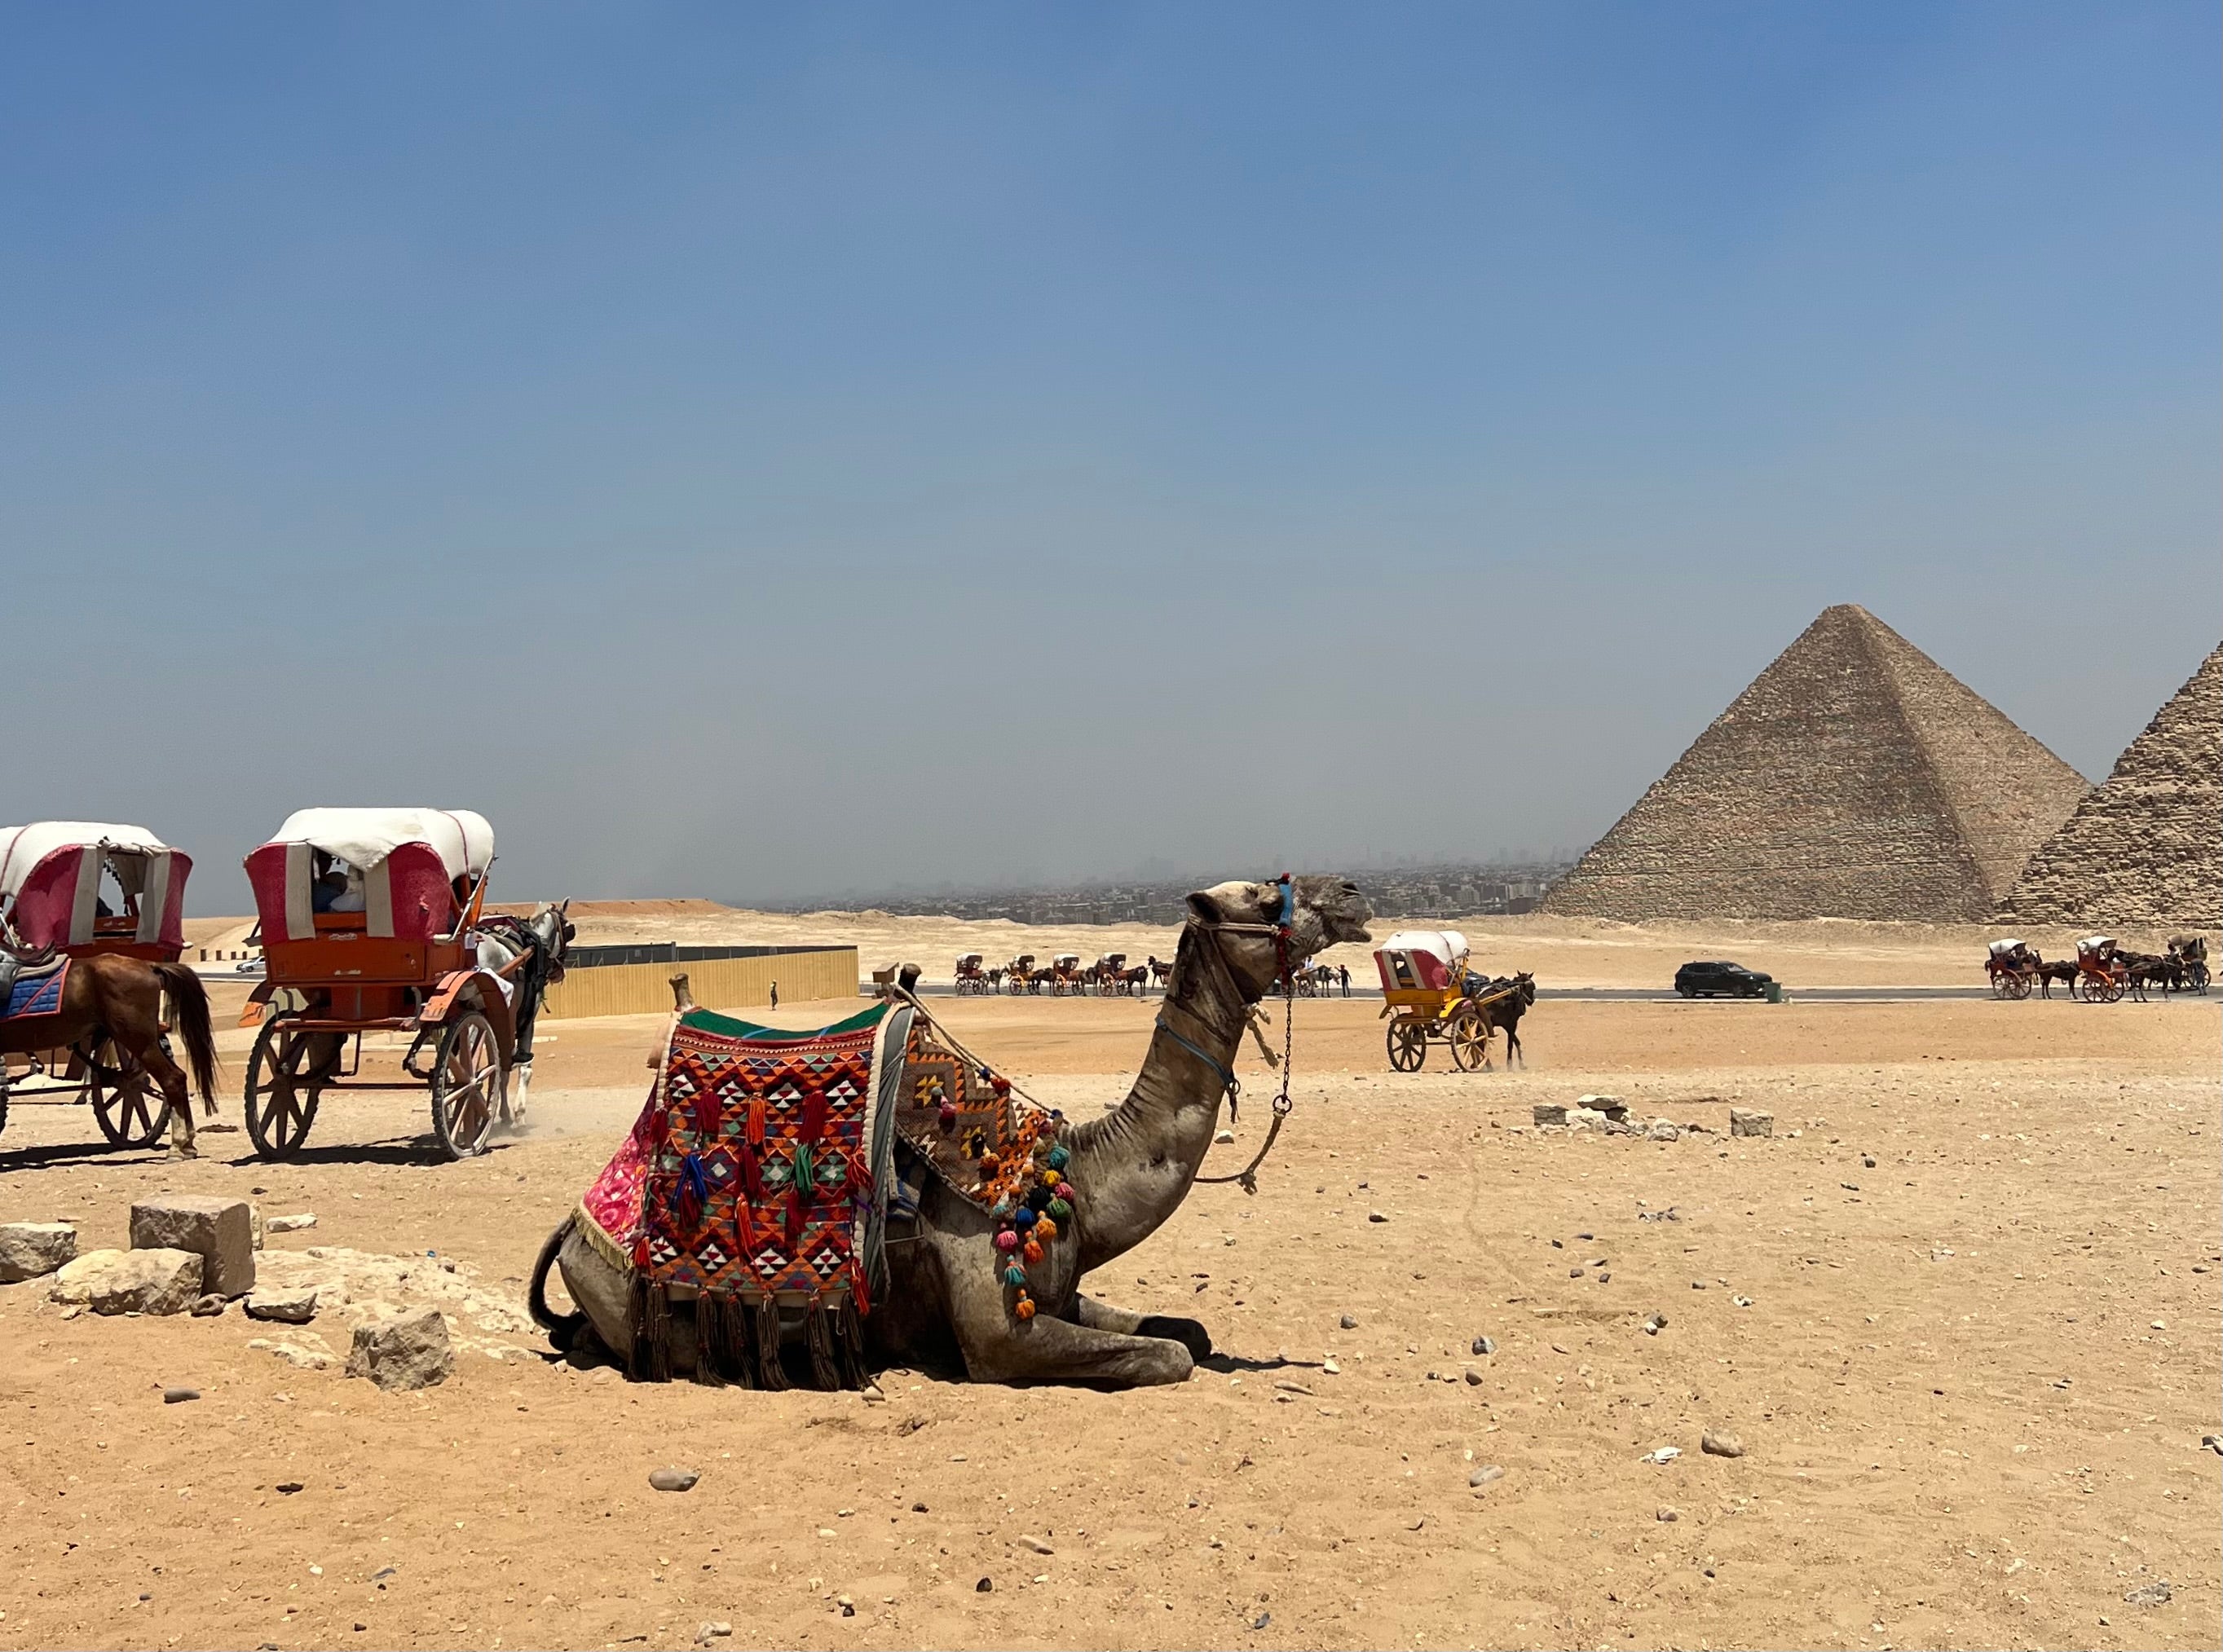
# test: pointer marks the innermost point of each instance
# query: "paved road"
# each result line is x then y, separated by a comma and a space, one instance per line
1627, 995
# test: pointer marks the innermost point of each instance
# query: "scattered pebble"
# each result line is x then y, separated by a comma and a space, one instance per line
1027, 1539
209, 1307
848, 1606
1483, 1345
1473, 1378
673, 1480
710, 1632
1662, 1454
1349, 1321
1721, 1445
983, 1587
1261, 1620
1656, 1324
2213, 1443
180, 1396
1375, 1216
287, 1488
2148, 1594
1668, 1515
1483, 1474
872, 1396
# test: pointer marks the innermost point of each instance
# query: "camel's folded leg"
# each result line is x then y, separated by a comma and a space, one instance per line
1103, 1316
999, 1348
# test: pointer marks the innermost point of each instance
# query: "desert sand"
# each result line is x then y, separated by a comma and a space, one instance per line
1960, 1310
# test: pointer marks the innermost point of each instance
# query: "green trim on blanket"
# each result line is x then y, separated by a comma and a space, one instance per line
730, 1026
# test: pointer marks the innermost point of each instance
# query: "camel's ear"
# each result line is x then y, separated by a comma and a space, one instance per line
1204, 909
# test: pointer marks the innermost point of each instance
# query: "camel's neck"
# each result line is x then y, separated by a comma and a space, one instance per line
1133, 1167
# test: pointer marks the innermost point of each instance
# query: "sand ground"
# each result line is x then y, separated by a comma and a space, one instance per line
1961, 1310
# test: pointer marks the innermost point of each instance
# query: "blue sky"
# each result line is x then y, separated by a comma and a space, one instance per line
760, 454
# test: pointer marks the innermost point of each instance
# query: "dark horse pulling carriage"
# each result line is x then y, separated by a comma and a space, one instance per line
374, 921
92, 928
1429, 997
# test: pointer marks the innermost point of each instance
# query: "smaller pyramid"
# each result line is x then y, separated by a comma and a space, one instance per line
2147, 847
1855, 778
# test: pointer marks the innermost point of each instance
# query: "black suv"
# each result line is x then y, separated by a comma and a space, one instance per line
1722, 981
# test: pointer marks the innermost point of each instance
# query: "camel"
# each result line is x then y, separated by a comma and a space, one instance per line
945, 1306
110, 997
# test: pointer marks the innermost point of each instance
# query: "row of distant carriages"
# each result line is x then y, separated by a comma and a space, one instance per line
369, 920
2103, 972
1110, 977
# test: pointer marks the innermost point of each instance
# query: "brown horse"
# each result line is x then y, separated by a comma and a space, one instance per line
110, 998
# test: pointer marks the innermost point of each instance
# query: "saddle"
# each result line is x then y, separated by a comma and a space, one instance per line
27, 982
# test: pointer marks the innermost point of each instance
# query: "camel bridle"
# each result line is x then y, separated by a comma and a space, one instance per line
1282, 932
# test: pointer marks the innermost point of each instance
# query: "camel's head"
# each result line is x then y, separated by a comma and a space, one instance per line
1327, 910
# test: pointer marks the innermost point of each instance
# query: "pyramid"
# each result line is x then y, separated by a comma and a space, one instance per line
2147, 847
1856, 778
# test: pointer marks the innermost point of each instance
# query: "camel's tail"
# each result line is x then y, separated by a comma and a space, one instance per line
563, 1328
189, 1004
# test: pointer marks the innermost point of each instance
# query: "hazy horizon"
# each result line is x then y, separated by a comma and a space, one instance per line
763, 454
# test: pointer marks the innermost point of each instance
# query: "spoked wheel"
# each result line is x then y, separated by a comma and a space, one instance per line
468, 1080
122, 1099
279, 1104
2095, 989
1470, 1040
2015, 986
1409, 1045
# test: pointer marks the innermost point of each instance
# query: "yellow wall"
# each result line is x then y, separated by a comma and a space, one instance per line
717, 983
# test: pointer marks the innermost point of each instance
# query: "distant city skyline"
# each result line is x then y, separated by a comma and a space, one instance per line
762, 453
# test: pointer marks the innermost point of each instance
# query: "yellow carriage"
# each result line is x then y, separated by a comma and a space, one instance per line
1429, 998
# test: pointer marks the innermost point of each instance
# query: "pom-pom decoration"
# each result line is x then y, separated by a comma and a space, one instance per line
1025, 1307
1059, 1158
1032, 1251
1060, 1210
1007, 1241
1015, 1275
1044, 1230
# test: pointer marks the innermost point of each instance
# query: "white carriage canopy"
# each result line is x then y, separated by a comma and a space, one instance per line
362, 838
1425, 958
50, 874
405, 861
1446, 944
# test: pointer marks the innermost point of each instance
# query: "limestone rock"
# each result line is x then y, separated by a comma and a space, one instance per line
255, 1224
309, 1356
295, 1306
155, 1281
1855, 778
1664, 1130
219, 1231
29, 1249
411, 1351
1549, 1112
298, 1223
1721, 1445
2146, 847
1751, 1122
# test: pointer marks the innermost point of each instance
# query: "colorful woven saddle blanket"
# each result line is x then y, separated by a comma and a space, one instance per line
749, 1184
36, 990
960, 1123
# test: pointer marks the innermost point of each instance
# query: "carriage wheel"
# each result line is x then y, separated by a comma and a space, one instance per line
1409, 1045
1470, 1040
467, 1085
2094, 988
2015, 986
280, 1108
2114, 988
121, 1100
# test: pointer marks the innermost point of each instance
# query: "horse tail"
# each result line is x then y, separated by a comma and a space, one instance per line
563, 1328
189, 1002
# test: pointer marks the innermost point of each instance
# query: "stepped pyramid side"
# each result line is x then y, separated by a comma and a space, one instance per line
2146, 847
1855, 778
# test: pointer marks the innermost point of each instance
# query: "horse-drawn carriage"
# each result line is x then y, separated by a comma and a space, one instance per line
1019, 975
2101, 973
2189, 954
2013, 968
374, 920
78, 889
972, 978
1432, 998
1065, 975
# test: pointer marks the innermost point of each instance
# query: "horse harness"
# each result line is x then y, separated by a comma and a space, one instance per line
1281, 930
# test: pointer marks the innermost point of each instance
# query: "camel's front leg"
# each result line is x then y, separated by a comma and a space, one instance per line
1103, 1316
998, 1347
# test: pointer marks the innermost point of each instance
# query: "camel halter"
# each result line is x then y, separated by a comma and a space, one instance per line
1281, 930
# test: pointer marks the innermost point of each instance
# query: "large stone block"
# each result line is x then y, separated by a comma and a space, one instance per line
221, 1232
1751, 1122
411, 1351
146, 1281
28, 1249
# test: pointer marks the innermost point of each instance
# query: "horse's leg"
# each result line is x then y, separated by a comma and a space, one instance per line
1513, 1055
155, 1062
